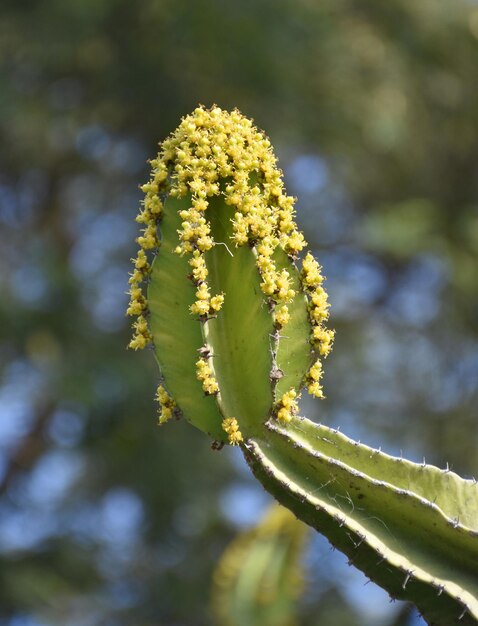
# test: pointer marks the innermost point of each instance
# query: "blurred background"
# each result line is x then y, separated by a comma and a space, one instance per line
372, 107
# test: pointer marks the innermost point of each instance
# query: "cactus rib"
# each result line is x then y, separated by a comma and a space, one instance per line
176, 334
399, 539
235, 357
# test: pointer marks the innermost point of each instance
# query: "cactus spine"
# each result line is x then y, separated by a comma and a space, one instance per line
239, 331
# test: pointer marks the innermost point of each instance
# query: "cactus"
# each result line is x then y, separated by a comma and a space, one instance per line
238, 325
259, 578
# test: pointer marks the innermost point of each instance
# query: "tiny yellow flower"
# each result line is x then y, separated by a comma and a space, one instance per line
281, 316
204, 374
231, 427
167, 405
287, 406
311, 272
217, 302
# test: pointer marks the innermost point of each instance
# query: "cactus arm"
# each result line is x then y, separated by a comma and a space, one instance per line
176, 334
241, 358
456, 497
259, 576
400, 540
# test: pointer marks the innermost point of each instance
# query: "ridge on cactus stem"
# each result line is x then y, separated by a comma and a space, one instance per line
237, 313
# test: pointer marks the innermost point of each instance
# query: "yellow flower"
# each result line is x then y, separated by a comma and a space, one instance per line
204, 374
323, 339
231, 427
217, 302
287, 406
167, 405
281, 316
315, 389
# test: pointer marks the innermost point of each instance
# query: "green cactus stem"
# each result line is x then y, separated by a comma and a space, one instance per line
259, 577
237, 316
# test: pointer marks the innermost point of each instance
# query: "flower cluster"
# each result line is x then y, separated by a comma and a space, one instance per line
167, 406
204, 374
287, 406
205, 305
231, 427
314, 375
322, 338
141, 336
149, 216
281, 316
210, 146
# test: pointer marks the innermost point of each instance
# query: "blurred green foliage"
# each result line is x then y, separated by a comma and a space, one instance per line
373, 107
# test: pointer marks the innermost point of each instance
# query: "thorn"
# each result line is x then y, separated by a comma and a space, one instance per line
407, 578
462, 614
474, 480
424, 462
217, 445
367, 582
440, 589
455, 522
221, 243
401, 455
205, 351
362, 539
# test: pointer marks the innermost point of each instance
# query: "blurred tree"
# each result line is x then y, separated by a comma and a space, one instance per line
103, 520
